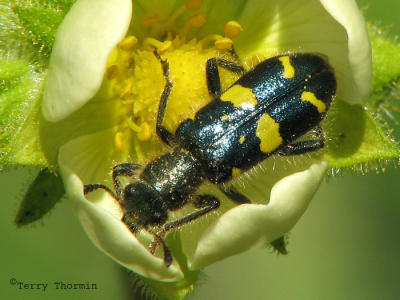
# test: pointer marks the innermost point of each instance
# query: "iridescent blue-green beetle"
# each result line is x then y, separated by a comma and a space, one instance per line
263, 113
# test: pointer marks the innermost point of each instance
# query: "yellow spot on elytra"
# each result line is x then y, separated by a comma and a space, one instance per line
197, 20
232, 29
310, 97
112, 72
288, 70
268, 133
236, 172
224, 118
149, 19
145, 132
224, 43
128, 43
120, 141
242, 139
193, 4
240, 96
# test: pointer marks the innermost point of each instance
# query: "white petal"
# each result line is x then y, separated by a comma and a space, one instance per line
250, 225
84, 40
349, 16
332, 27
85, 157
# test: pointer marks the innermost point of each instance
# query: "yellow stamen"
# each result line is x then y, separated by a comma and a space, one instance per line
120, 141
132, 125
197, 20
145, 132
193, 4
232, 29
161, 47
126, 91
149, 19
164, 47
128, 43
112, 72
224, 44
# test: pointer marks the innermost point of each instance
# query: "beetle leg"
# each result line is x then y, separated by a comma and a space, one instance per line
212, 73
234, 195
166, 136
303, 147
126, 169
207, 203
88, 188
159, 239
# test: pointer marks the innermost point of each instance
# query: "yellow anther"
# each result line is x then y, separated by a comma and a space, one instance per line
232, 29
120, 141
153, 42
164, 47
193, 4
145, 132
128, 43
161, 47
112, 72
126, 91
149, 19
224, 44
132, 125
197, 20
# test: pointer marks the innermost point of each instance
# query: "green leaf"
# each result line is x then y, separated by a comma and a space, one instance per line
41, 25
44, 192
356, 137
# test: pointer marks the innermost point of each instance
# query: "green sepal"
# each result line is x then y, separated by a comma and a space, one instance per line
43, 193
20, 90
359, 137
280, 245
152, 289
355, 138
27, 34
386, 62
385, 98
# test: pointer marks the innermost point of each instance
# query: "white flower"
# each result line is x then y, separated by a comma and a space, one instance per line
76, 98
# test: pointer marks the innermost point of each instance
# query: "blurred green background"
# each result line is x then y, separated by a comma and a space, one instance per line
346, 246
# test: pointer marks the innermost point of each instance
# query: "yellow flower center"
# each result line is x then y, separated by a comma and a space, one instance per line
135, 79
